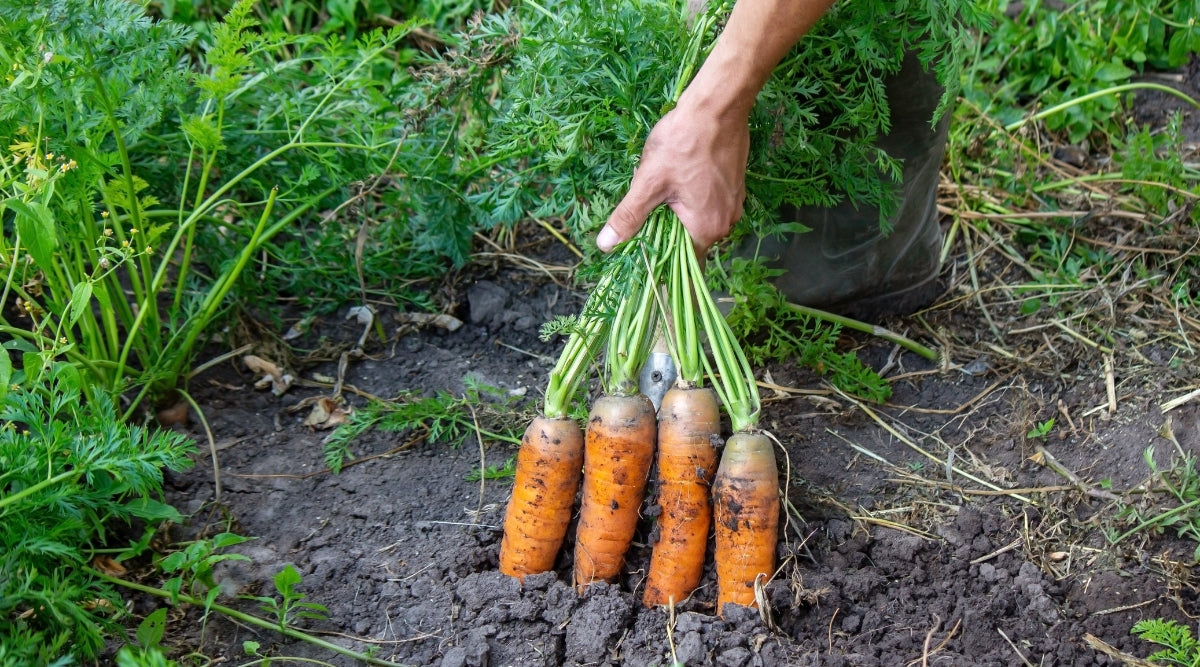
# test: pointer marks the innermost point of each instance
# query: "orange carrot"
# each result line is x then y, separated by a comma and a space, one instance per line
688, 420
549, 465
746, 513
618, 451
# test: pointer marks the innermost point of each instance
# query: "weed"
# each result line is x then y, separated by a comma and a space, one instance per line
1040, 430
193, 566
1179, 485
1047, 55
69, 470
126, 168
481, 410
509, 469
291, 604
1181, 648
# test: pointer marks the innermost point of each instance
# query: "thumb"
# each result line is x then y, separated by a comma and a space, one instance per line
627, 218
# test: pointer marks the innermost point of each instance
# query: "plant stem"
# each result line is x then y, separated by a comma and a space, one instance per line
60, 477
581, 349
1158, 519
857, 325
1101, 93
246, 618
733, 378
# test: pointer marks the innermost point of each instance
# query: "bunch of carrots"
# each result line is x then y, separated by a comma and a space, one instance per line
624, 435
654, 287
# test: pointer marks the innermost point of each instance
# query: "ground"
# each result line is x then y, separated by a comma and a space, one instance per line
933, 529
896, 550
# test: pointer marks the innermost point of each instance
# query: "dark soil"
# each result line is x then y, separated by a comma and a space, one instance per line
890, 555
885, 558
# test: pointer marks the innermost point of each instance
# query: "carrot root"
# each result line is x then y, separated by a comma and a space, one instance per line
549, 465
688, 421
619, 448
746, 514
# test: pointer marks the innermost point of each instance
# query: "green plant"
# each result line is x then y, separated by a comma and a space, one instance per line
773, 330
493, 471
1180, 484
193, 566
70, 470
146, 651
1040, 430
1046, 55
481, 410
290, 605
127, 171
1180, 647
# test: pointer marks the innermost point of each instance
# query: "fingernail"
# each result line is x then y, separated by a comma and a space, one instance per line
607, 239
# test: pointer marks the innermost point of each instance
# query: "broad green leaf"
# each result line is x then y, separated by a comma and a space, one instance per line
81, 296
150, 630
35, 224
1113, 71
286, 579
152, 510
5, 373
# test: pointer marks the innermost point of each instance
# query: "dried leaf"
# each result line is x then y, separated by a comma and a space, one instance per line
440, 320
108, 566
272, 376
327, 413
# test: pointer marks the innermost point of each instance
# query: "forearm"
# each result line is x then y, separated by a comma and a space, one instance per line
758, 35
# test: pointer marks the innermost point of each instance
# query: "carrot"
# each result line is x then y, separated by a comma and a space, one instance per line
688, 421
550, 461
618, 451
549, 465
746, 512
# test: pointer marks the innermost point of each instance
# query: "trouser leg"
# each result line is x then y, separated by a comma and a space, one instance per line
846, 263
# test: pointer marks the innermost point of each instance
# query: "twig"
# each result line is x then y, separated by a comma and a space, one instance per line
1179, 400
1006, 548
914, 446
1099, 645
212, 445
1048, 459
1014, 648
1124, 607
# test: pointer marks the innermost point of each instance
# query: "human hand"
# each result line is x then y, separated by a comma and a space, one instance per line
694, 161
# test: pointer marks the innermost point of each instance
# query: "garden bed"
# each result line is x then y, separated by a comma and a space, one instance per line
888, 556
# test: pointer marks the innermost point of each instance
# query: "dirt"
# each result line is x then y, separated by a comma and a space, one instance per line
887, 557
896, 549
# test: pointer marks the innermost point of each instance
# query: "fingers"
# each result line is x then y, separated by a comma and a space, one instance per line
629, 216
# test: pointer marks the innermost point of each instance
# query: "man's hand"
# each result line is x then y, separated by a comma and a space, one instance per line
695, 157
694, 162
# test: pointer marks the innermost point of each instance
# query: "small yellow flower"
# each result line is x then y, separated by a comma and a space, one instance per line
107, 231
124, 244
149, 250
133, 231
63, 340
104, 214
49, 156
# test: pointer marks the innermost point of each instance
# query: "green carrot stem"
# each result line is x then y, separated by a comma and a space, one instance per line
730, 371
630, 337
681, 291
580, 351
